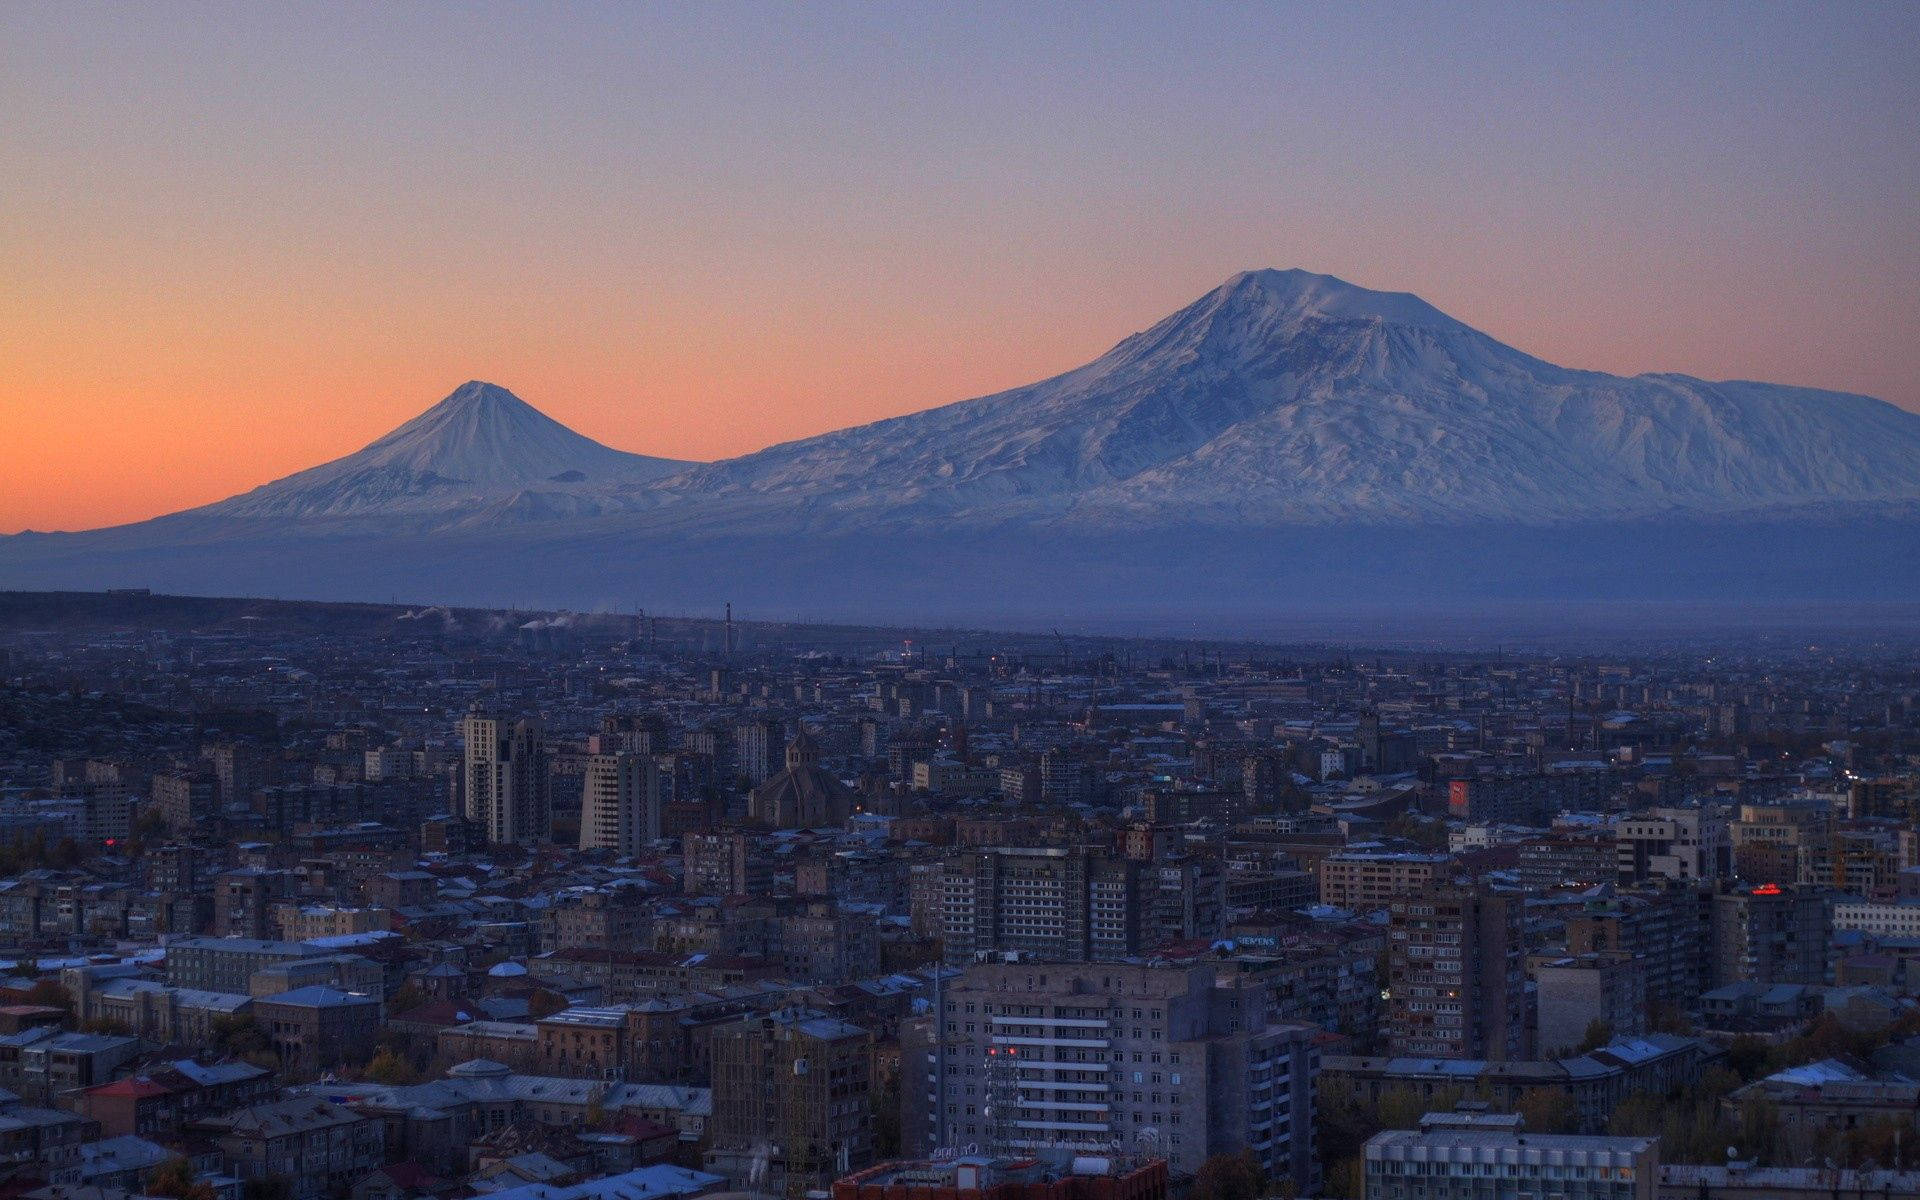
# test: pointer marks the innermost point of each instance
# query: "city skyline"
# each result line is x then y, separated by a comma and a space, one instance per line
249, 245
872, 601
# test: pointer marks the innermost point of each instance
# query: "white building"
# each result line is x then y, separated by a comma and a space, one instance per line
1885, 919
1459, 1156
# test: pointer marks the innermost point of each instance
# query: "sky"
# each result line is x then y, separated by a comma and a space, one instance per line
239, 240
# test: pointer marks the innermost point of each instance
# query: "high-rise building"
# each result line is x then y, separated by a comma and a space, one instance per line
792, 1101
1183, 897
1770, 934
1676, 843
721, 862
1055, 903
716, 743
1573, 993
238, 769
758, 747
188, 801
620, 803
243, 901
1369, 879
504, 781
1067, 776
1666, 928
107, 815
1154, 1060
1456, 983
1383, 752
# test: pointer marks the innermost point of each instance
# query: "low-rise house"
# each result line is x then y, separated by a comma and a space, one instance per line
1597, 1081
44, 1138
158, 1102
44, 1063
314, 1028
657, 1182
121, 1162
319, 1147
159, 1012
433, 1123
1827, 1095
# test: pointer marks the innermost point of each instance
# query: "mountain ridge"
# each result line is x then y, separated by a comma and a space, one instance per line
1286, 432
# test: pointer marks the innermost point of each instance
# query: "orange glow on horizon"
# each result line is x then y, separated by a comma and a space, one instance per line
237, 246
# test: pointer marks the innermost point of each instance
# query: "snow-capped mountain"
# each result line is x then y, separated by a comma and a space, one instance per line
1287, 397
1287, 440
480, 451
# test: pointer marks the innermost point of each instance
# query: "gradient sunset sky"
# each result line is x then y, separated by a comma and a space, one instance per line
236, 241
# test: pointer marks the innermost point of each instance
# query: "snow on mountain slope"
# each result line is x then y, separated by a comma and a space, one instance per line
1287, 438
1286, 397
481, 453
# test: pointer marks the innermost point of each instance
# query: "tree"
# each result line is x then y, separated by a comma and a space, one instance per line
1342, 1121
174, 1178
1670, 1018
1229, 1177
49, 994
1637, 1115
1599, 1033
1747, 1055
390, 1068
1402, 1107
1346, 1178
108, 1025
150, 828
1759, 1129
1548, 1110
1428, 835
886, 1117
241, 1037
409, 997
544, 1003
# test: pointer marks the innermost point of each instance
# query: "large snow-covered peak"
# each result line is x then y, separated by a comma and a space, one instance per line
1285, 397
477, 448
1295, 294
1296, 322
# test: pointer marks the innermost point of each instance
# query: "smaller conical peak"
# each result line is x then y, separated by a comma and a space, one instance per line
483, 433
475, 405
479, 395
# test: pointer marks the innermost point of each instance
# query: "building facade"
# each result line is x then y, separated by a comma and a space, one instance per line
1065, 1058
504, 784
620, 803
1455, 975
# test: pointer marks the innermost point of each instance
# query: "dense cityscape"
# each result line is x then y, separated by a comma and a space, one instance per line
314, 901
982, 601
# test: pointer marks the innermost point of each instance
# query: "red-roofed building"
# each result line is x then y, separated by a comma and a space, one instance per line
138, 1106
